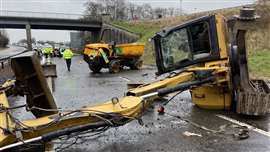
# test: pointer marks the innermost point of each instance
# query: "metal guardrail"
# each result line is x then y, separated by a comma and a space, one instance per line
8, 57
5, 60
5, 68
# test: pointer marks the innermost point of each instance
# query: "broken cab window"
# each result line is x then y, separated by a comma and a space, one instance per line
186, 44
200, 40
175, 47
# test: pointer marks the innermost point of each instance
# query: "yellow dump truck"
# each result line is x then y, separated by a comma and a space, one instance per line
114, 57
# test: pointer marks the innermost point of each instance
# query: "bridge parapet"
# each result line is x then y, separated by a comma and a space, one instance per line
41, 15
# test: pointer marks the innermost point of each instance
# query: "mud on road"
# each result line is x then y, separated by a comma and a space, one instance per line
166, 133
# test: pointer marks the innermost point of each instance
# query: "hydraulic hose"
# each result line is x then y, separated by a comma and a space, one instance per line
180, 87
49, 136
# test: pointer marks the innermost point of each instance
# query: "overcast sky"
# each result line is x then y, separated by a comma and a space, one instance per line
78, 7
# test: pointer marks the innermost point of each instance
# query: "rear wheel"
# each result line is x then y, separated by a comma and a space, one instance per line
95, 65
114, 66
137, 65
95, 68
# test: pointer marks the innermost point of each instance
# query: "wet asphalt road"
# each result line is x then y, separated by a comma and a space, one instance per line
160, 132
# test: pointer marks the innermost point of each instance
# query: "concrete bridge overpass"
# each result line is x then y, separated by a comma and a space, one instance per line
59, 21
50, 23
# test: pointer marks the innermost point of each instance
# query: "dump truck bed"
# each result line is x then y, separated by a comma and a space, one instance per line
130, 49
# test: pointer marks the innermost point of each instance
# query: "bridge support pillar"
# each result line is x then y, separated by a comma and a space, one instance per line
28, 36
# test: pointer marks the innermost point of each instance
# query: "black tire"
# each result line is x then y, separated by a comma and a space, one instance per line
235, 75
94, 65
137, 65
114, 66
95, 68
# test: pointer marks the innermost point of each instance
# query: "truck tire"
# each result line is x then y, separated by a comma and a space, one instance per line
95, 68
114, 66
137, 65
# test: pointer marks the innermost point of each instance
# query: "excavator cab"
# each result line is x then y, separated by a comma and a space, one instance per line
187, 44
204, 43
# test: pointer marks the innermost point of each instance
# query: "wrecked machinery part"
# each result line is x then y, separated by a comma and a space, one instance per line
242, 134
53, 135
161, 110
247, 14
134, 85
31, 81
49, 70
180, 87
251, 97
256, 102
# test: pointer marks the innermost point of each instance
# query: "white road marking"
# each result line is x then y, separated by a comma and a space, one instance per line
244, 124
126, 79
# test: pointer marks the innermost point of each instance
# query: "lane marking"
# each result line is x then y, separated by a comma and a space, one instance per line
124, 78
244, 124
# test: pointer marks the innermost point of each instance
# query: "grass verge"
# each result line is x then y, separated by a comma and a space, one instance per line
259, 63
257, 39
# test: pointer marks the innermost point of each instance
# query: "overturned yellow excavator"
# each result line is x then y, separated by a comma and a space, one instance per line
198, 56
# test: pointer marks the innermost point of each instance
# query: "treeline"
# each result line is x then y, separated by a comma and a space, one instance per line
123, 10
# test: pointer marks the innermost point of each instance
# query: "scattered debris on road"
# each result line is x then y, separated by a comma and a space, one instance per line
243, 133
188, 134
145, 74
126, 79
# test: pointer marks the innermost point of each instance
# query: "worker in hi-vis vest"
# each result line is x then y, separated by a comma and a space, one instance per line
67, 55
47, 51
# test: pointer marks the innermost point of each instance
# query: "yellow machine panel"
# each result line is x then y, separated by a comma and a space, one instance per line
90, 52
131, 49
208, 97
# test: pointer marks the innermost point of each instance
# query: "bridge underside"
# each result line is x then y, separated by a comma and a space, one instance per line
50, 23
28, 23
50, 27
95, 26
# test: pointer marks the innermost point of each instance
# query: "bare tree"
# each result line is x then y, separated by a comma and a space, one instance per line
171, 11
120, 10
147, 11
139, 12
93, 9
115, 8
131, 10
160, 12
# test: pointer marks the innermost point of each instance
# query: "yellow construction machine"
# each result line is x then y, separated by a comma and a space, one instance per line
113, 56
198, 56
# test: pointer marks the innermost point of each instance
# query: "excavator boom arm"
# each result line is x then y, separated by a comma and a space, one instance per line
116, 112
